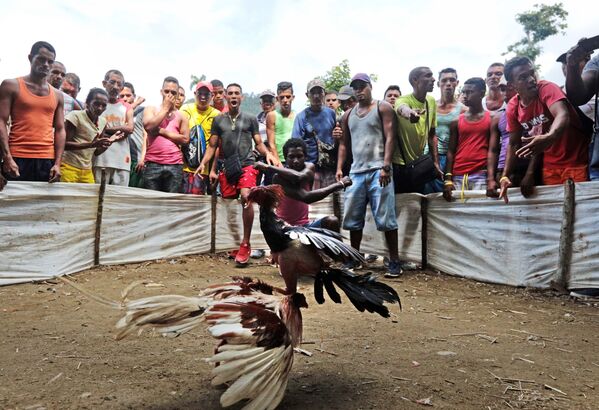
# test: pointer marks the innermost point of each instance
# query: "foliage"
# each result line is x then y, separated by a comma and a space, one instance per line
251, 104
340, 75
538, 24
195, 80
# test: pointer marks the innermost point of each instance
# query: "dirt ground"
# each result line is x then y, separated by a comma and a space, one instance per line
457, 344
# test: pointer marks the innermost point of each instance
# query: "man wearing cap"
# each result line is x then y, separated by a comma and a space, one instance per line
200, 115
369, 128
267, 103
495, 99
346, 98
582, 84
315, 126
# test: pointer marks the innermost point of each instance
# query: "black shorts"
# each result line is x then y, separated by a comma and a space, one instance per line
32, 169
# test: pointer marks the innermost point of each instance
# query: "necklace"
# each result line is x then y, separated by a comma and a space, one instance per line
233, 120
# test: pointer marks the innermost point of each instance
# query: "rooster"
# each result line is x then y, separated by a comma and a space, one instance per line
304, 251
259, 326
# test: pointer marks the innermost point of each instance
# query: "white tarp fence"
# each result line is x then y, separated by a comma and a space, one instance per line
49, 229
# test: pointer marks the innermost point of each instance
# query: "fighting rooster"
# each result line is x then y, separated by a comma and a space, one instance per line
304, 251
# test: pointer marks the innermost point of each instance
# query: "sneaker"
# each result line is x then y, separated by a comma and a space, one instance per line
243, 255
370, 258
394, 270
352, 265
404, 265
257, 254
232, 254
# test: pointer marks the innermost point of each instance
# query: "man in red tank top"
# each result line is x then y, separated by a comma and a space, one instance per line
33, 148
467, 152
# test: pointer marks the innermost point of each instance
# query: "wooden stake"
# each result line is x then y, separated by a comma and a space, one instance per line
99, 218
213, 222
337, 206
424, 232
565, 241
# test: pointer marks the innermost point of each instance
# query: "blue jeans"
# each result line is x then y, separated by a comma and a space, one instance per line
367, 189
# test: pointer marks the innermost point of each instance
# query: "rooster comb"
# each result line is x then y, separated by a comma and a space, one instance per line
266, 196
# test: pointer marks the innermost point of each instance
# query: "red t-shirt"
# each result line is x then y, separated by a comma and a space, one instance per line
473, 145
572, 148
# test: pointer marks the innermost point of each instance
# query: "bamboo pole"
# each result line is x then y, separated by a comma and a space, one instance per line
213, 222
562, 280
99, 218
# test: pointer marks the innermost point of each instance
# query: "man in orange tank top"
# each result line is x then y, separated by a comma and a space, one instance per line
33, 148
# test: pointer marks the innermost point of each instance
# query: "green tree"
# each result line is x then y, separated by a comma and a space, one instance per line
340, 75
538, 24
251, 104
195, 79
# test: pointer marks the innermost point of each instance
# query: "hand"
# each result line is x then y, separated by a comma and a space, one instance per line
100, 142
384, 178
139, 101
54, 173
527, 186
339, 175
447, 188
2, 182
200, 169
504, 184
213, 179
492, 188
168, 102
534, 145
576, 54
440, 174
10, 167
346, 181
141, 164
414, 117
116, 136
337, 132
271, 159
261, 166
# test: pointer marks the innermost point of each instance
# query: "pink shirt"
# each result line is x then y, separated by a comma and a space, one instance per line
161, 150
292, 211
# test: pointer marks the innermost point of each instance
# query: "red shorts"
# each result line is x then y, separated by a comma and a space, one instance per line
247, 180
557, 176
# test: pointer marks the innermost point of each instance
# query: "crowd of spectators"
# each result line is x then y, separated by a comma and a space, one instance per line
508, 129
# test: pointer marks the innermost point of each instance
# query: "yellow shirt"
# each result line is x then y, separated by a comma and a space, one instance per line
413, 138
203, 118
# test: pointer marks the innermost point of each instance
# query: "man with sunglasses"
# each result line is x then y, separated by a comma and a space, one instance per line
116, 160
167, 130
200, 115
494, 101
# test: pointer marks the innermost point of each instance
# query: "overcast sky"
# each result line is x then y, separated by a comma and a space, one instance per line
260, 43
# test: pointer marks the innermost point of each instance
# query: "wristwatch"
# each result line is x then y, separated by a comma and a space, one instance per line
386, 168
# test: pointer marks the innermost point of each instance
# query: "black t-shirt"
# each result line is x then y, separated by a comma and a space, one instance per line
246, 126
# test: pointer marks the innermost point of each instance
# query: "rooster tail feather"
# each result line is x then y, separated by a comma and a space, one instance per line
170, 315
363, 291
98, 298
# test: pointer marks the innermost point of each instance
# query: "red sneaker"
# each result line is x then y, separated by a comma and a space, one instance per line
243, 255
232, 254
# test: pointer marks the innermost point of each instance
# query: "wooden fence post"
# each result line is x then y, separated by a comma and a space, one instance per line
99, 218
562, 280
424, 231
213, 223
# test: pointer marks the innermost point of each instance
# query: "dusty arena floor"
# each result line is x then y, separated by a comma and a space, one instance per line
457, 344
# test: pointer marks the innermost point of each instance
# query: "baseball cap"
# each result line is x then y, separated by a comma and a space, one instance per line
345, 93
317, 82
268, 93
361, 77
204, 84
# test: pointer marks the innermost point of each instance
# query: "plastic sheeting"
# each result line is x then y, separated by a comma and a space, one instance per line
48, 230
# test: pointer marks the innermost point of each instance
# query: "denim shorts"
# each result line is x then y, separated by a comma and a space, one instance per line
366, 189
